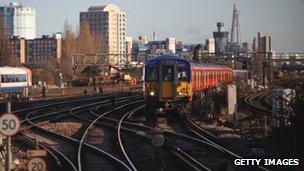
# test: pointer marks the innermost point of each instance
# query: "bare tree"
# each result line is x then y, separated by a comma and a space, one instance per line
84, 43
88, 42
6, 56
46, 71
84, 39
68, 49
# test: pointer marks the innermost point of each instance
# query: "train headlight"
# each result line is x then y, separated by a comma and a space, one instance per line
152, 93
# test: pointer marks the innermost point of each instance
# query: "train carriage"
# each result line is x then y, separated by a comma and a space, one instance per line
170, 82
15, 80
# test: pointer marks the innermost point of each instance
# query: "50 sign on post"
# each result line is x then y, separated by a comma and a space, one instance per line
9, 124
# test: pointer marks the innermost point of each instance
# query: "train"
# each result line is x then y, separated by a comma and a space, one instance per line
171, 82
15, 80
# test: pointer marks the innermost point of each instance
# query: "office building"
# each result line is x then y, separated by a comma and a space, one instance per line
142, 40
170, 45
38, 49
18, 20
220, 38
129, 45
18, 48
210, 46
108, 21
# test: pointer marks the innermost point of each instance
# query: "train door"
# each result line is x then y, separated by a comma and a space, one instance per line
167, 80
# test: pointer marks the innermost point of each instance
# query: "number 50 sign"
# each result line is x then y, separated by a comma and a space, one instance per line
9, 124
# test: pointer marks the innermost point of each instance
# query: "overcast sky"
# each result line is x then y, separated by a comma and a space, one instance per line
191, 21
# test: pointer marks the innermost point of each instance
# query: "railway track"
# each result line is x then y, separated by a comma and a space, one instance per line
141, 136
144, 132
118, 116
257, 102
37, 116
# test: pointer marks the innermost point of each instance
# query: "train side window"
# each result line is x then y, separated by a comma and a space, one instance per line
24, 78
2, 79
8, 79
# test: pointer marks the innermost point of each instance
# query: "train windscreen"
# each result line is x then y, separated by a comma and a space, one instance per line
183, 72
151, 73
168, 73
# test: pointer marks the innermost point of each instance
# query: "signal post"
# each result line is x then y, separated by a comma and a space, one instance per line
10, 125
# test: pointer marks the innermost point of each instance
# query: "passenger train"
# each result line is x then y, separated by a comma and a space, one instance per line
171, 82
15, 79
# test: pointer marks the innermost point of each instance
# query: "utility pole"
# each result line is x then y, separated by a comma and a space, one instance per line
9, 143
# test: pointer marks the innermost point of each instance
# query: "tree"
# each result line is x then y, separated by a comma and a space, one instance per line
45, 71
68, 49
6, 56
87, 42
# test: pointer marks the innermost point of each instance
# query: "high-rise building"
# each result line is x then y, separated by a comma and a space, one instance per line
154, 36
235, 34
129, 45
170, 45
142, 40
18, 20
262, 46
220, 38
108, 21
210, 46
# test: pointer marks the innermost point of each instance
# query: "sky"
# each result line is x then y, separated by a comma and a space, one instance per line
191, 21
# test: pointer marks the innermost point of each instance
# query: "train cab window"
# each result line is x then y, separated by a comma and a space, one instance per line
168, 73
151, 73
183, 72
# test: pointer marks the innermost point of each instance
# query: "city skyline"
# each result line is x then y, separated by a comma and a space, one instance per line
186, 20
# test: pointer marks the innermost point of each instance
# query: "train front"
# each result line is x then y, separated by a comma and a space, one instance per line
167, 83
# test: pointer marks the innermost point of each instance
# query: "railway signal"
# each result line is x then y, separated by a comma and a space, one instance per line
37, 164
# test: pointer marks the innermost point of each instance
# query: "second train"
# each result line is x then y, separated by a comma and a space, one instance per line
173, 83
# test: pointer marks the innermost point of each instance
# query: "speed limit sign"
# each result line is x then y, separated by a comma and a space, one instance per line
9, 124
36, 164
157, 140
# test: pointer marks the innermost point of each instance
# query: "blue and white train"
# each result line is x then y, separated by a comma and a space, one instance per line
15, 80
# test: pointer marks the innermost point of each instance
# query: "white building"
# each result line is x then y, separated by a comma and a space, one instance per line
170, 45
142, 40
129, 45
210, 45
109, 21
19, 20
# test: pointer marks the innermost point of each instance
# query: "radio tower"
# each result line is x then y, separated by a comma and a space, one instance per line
235, 34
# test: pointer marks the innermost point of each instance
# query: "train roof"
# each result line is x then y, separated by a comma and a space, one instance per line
178, 58
166, 57
207, 66
13, 70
